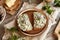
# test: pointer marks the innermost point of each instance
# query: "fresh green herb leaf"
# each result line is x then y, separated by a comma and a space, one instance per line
47, 7
44, 7
57, 3
13, 29
49, 11
13, 37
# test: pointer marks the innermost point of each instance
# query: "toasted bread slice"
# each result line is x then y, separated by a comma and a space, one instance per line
12, 9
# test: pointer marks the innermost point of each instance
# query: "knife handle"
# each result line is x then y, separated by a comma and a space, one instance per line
57, 31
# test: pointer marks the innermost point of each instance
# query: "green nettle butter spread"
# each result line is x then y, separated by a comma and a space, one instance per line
39, 20
24, 22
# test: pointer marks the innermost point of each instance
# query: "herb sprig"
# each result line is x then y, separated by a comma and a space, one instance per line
48, 8
13, 29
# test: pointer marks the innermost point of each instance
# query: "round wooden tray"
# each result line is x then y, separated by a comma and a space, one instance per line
38, 10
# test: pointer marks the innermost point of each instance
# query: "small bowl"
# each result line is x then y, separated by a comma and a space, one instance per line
38, 31
14, 8
3, 14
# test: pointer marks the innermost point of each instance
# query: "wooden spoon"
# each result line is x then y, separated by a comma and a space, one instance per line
57, 31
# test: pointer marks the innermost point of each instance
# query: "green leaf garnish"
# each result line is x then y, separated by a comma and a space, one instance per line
13, 37
13, 29
57, 3
49, 11
47, 7
44, 7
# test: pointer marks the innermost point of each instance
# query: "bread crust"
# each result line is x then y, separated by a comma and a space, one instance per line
11, 10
